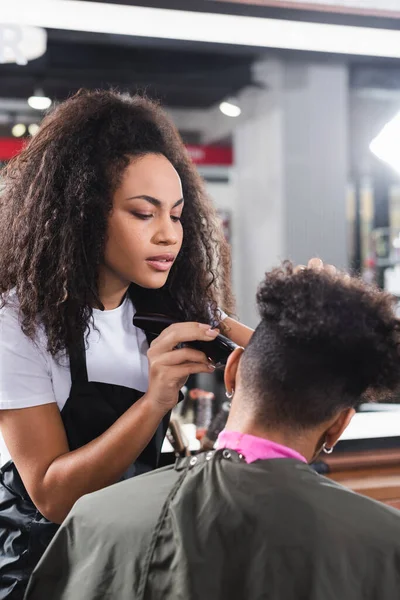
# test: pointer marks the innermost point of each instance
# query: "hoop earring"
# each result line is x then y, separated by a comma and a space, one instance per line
326, 449
229, 394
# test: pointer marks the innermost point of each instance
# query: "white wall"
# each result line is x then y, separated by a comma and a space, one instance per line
288, 190
316, 162
224, 196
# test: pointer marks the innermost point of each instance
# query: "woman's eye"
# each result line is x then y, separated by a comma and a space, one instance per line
175, 219
142, 215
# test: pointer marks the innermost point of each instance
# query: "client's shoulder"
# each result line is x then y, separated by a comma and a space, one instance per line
324, 505
137, 500
360, 515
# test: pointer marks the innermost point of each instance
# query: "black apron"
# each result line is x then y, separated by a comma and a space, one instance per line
89, 411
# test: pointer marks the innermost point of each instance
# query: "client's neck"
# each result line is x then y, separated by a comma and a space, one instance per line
242, 421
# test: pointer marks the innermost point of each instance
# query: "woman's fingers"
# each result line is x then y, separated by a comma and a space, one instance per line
183, 356
331, 269
318, 265
179, 333
299, 268
193, 368
169, 367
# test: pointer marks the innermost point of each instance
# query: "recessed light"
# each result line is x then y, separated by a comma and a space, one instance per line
18, 130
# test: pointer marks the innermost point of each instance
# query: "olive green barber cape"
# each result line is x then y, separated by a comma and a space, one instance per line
216, 528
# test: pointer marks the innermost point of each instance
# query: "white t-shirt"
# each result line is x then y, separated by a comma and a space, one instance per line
29, 376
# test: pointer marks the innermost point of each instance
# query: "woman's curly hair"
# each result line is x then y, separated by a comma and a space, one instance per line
54, 210
325, 342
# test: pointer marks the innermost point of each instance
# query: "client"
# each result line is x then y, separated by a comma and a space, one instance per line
252, 520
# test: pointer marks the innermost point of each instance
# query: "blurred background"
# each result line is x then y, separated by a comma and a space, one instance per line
280, 103
289, 109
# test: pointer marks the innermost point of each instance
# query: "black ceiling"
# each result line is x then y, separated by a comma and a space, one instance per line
180, 74
177, 73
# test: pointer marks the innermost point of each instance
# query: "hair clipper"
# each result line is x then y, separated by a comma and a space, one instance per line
218, 350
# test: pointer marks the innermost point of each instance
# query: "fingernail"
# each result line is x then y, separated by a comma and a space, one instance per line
212, 332
299, 268
212, 367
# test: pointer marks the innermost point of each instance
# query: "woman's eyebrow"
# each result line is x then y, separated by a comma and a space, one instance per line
153, 201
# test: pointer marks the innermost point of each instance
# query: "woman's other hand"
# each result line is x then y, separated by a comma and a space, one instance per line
318, 265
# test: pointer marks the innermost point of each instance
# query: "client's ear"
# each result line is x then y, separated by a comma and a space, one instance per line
336, 429
231, 369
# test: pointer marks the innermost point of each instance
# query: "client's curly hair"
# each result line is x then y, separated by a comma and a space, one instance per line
325, 342
55, 205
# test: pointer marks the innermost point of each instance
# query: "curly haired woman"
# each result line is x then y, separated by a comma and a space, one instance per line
102, 214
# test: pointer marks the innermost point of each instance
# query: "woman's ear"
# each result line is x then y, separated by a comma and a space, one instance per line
231, 369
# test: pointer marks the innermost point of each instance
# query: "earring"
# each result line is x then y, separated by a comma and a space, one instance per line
326, 449
229, 394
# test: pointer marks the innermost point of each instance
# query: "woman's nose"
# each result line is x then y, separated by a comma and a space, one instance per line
166, 232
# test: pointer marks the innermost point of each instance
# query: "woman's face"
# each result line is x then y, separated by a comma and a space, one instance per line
144, 229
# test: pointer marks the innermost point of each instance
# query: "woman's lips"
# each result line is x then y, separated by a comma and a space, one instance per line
162, 262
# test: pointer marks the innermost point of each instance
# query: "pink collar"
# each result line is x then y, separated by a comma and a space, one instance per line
255, 448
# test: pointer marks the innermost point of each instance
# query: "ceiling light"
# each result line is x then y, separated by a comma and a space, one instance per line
386, 145
230, 109
33, 128
105, 17
18, 130
39, 101
20, 44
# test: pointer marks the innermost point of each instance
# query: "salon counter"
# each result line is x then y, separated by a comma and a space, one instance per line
373, 473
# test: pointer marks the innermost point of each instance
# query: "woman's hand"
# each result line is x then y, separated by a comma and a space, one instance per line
169, 367
318, 265
240, 334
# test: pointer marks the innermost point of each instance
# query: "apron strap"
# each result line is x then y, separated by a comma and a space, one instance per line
77, 361
77, 356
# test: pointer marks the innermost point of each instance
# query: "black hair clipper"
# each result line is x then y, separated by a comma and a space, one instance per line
218, 350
